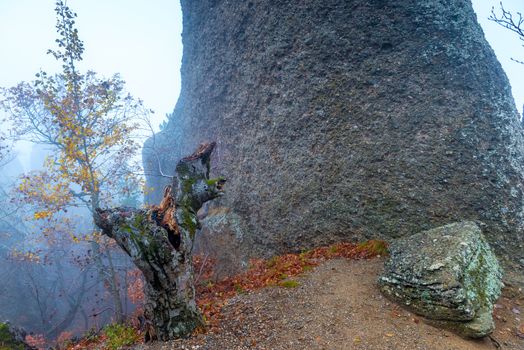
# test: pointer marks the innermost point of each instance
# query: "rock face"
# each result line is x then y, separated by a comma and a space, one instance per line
346, 119
448, 274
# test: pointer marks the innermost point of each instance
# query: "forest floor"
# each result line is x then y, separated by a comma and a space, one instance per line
337, 305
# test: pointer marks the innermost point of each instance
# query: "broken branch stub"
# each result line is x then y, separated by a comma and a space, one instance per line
160, 241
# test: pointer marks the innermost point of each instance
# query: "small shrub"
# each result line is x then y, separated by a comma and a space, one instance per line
119, 335
92, 335
238, 288
304, 253
6, 339
307, 268
289, 284
272, 262
374, 247
64, 339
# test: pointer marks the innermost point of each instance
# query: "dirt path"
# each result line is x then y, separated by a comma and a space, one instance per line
338, 306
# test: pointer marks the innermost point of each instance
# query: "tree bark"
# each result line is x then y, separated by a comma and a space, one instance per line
160, 241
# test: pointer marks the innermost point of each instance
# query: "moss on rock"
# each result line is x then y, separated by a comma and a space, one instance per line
448, 274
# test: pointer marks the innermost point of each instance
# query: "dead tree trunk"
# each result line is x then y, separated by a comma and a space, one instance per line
160, 241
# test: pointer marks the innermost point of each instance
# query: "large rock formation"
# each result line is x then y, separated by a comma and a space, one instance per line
346, 119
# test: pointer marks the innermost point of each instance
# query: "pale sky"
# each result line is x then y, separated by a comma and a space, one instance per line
505, 44
141, 40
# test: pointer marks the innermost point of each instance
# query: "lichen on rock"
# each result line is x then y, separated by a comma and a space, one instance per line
448, 274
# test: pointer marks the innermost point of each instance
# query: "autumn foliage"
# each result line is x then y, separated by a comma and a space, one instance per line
90, 123
135, 286
273, 272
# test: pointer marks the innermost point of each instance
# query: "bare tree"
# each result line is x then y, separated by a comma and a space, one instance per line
510, 21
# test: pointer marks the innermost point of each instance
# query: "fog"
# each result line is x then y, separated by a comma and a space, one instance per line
55, 282
53, 285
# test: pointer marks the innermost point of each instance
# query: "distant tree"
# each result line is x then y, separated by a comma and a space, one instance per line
5, 151
46, 276
91, 124
2, 153
510, 21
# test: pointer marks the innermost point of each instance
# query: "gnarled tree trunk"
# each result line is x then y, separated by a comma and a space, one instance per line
160, 241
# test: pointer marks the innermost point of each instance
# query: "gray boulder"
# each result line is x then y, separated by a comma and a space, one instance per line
449, 275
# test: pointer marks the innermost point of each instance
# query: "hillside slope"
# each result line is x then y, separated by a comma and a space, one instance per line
338, 306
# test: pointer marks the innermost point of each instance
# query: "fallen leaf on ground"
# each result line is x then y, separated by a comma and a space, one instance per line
520, 331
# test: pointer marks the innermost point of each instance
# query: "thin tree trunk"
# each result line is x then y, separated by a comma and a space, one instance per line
85, 317
160, 241
75, 302
41, 304
115, 290
108, 275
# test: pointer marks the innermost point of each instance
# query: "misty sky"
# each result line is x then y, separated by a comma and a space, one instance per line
141, 40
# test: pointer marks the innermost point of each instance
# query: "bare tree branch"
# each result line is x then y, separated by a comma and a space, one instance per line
507, 20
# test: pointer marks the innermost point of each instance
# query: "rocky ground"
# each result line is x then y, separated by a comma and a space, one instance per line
338, 306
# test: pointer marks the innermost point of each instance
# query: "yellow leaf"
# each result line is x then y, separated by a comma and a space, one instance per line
42, 214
